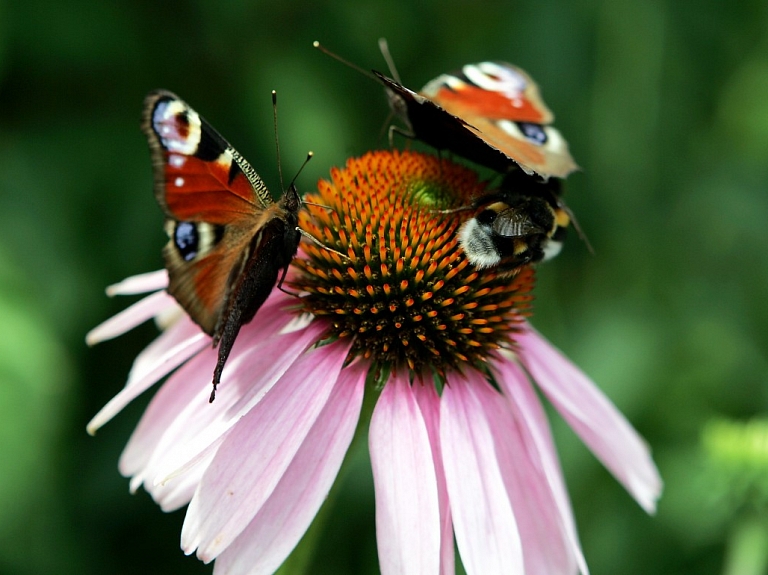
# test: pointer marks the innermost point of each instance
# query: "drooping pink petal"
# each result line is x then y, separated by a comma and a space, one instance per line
182, 390
142, 283
527, 410
253, 458
407, 512
546, 548
189, 388
486, 531
287, 514
429, 403
197, 431
177, 490
136, 314
172, 348
180, 425
593, 417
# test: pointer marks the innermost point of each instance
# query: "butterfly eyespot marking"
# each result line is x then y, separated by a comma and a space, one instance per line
491, 76
193, 239
186, 240
177, 126
534, 133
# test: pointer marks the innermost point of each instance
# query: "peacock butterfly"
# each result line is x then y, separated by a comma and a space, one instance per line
228, 239
490, 113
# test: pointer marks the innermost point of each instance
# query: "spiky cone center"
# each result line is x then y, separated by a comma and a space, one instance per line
407, 295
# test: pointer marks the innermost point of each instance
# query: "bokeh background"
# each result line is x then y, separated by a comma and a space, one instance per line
665, 105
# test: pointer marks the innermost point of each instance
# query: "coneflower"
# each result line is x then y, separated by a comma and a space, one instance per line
459, 442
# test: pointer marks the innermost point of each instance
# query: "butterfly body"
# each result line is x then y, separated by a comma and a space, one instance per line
228, 240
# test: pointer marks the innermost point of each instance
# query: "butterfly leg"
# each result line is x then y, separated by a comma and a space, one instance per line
321, 244
398, 130
280, 284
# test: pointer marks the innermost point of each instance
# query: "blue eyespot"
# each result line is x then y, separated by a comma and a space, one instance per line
533, 132
187, 240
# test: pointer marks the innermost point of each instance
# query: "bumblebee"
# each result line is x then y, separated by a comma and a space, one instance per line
523, 222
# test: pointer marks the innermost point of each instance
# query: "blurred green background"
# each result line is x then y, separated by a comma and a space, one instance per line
665, 105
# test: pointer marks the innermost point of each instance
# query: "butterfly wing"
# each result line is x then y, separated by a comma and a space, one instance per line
492, 89
433, 125
213, 201
503, 108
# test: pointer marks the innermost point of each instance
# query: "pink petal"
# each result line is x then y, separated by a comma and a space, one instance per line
486, 531
189, 389
535, 433
172, 348
429, 403
546, 548
126, 320
593, 417
183, 389
407, 512
177, 490
142, 283
282, 521
258, 450
180, 426
196, 431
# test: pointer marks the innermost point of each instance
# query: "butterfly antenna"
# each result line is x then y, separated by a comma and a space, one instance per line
347, 63
305, 233
277, 139
384, 47
310, 155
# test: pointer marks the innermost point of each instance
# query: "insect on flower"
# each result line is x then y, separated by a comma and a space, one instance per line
492, 113
229, 241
